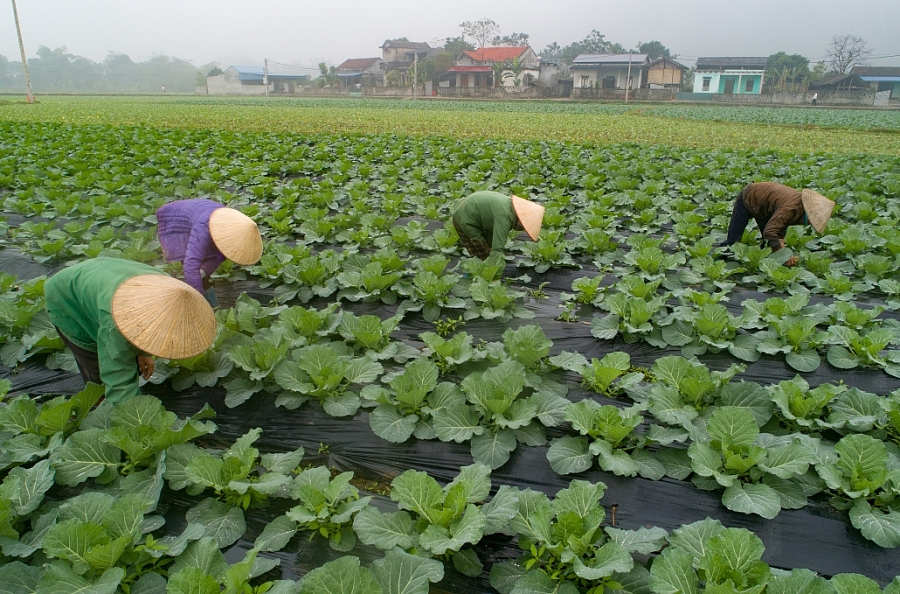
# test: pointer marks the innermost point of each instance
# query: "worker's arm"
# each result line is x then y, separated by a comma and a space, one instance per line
502, 226
199, 247
118, 365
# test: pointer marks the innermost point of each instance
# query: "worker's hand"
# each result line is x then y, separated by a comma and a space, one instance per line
792, 261
145, 366
780, 244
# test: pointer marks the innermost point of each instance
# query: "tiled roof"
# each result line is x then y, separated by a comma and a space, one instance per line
758, 63
610, 59
405, 44
875, 70
496, 54
357, 63
838, 80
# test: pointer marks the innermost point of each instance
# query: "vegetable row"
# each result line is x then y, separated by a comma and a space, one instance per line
107, 537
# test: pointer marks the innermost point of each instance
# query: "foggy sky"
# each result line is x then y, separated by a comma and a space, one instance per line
234, 32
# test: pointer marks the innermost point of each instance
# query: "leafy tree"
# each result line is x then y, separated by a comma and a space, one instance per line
215, 71
6, 78
457, 45
818, 71
514, 39
482, 31
654, 49
785, 71
551, 52
594, 43
498, 68
327, 75
846, 51
58, 70
513, 68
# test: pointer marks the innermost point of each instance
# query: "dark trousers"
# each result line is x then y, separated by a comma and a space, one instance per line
88, 362
477, 248
740, 216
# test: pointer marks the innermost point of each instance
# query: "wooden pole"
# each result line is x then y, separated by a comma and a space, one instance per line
22, 51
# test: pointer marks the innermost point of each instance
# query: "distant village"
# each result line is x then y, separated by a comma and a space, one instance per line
517, 72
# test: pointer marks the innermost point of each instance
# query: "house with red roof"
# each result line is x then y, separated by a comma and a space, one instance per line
517, 67
365, 72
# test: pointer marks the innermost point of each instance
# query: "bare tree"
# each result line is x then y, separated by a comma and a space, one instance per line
482, 31
846, 51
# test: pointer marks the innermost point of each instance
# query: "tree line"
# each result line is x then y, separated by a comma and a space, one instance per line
57, 70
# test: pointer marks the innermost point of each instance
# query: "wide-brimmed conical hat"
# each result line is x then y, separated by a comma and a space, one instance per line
236, 236
530, 214
818, 209
163, 316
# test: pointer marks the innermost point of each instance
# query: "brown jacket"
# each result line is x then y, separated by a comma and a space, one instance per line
775, 207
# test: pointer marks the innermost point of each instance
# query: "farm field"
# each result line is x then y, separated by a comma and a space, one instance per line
613, 408
861, 131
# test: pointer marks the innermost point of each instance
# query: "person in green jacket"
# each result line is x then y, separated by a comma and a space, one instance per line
483, 221
116, 314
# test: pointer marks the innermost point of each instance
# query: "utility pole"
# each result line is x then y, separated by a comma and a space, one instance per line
628, 77
415, 73
266, 75
22, 50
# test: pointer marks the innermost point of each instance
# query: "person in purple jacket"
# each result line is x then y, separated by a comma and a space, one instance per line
202, 234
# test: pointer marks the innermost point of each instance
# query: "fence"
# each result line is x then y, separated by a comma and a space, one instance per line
619, 94
826, 97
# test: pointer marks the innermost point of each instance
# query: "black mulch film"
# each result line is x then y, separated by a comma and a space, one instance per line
816, 537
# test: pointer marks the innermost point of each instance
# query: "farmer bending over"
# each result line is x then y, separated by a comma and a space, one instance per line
776, 207
115, 314
202, 234
483, 221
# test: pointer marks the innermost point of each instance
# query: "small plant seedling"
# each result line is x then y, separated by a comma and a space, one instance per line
444, 327
323, 448
539, 292
568, 313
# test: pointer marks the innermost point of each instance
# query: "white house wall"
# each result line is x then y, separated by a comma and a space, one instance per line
595, 74
228, 83
509, 81
713, 82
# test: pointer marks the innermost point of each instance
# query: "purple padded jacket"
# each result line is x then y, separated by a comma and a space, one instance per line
184, 235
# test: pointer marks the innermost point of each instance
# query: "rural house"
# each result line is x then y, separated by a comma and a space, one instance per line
609, 71
360, 71
517, 65
397, 57
887, 78
729, 76
248, 80
839, 82
665, 72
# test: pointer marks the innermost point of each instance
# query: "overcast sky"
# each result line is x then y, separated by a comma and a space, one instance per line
235, 32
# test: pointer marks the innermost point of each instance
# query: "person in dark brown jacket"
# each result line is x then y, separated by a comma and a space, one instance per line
775, 208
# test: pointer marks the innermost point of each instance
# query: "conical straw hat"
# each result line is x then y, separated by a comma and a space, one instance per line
163, 316
818, 209
236, 236
530, 214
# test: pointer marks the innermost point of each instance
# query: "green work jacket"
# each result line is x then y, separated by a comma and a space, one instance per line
488, 216
79, 303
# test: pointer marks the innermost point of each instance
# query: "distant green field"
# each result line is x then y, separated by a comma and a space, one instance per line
591, 123
859, 119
